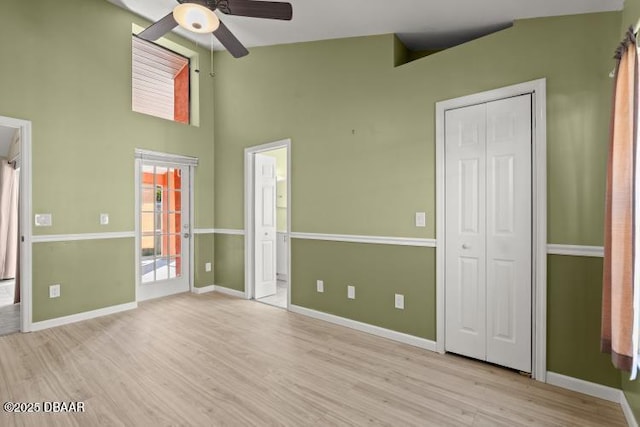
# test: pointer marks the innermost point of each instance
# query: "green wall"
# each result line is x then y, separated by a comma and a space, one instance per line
574, 301
67, 69
377, 272
229, 261
203, 246
363, 162
85, 270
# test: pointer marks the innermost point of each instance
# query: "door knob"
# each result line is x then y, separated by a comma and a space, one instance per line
186, 235
465, 246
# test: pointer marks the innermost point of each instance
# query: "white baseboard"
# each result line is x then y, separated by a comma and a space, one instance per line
51, 323
596, 390
628, 413
229, 291
585, 387
364, 327
203, 289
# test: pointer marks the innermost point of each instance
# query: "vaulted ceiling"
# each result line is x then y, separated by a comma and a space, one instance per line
420, 24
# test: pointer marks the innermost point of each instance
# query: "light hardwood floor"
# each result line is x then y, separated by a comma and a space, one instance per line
210, 359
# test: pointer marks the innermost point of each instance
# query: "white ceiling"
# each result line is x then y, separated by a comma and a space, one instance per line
6, 136
420, 24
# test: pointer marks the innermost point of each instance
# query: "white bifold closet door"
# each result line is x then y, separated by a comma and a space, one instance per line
488, 232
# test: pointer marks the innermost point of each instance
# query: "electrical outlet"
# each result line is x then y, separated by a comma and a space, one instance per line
319, 285
104, 218
54, 291
207, 267
44, 220
400, 301
421, 219
351, 292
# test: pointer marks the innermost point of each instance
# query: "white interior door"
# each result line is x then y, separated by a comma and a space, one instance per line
164, 229
488, 232
465, 294
509, 232
265, 226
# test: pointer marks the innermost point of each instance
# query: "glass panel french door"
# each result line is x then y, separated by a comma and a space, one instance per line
164, 230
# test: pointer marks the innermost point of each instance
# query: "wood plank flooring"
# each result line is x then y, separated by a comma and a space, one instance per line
209, 360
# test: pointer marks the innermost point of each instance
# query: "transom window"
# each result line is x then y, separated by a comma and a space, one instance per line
160, 82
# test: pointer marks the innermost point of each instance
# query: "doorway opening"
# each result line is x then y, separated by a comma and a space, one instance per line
163, 225
15, 233
268, 222
491, 242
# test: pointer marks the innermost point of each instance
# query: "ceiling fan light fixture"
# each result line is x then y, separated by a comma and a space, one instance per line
196, 18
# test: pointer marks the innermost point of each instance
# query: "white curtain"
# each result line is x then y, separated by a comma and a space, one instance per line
9, 182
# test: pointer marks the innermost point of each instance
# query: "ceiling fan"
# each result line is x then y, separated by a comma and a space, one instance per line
198, 16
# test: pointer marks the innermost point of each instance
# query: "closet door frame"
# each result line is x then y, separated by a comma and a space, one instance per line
537, 88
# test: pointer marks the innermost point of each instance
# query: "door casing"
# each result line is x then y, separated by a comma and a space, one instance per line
249, 215
539, 212
26, 265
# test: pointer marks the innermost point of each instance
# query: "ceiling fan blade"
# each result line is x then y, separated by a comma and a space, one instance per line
159, 29
230, 42
257, 9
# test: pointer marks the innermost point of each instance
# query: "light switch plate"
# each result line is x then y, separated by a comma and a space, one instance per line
421, 219
104, 219
44, 220
54, 291
207, 267
399, 301
351, 292
319, 285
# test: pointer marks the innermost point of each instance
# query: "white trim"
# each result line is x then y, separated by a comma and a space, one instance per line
26, 263
229, 231
203, 289
383, 240
365, 327
585, 387
627, 411
65, 320
229, 291
249, 282
204, 230
137, 173
575, 250
158, 157
539, 254
43, 238
192, 219
539, 250
289, 164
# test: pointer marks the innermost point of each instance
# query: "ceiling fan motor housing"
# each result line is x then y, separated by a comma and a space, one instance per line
211, 4
200, 21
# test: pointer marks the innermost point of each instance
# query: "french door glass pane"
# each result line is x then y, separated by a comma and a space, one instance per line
147, 222
173, 200
175, 267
